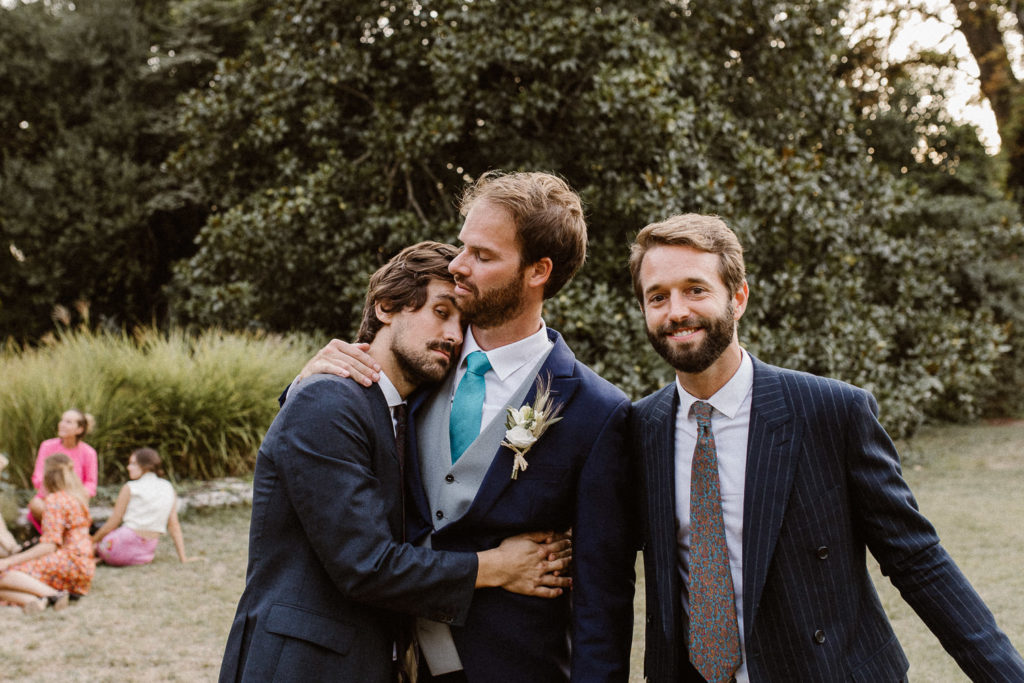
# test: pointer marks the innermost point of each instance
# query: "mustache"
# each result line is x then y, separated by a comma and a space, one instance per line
461, 281
438, 345
680, 325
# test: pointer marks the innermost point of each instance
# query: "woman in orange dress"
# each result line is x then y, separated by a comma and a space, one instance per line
62, 562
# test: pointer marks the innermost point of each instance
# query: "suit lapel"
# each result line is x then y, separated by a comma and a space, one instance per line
417, 525
773, 447
658, 448
559, 368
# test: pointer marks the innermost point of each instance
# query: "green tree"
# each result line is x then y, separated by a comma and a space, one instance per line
86, 212
347, 129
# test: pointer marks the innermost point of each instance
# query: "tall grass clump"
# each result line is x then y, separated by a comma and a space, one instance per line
203, 400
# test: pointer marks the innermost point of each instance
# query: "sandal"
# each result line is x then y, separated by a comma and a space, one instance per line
35, 606
58, 600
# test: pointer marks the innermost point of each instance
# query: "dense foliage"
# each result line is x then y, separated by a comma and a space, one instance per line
86, 209
204, 402
348, 128
333, 132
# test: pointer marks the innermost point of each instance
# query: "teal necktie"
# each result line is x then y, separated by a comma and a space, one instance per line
468, 404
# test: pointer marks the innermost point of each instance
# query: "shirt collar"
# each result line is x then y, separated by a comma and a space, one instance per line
391, 394
730, 397
507, 359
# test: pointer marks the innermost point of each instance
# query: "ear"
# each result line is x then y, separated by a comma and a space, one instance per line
739, 301
382, 315
539, 272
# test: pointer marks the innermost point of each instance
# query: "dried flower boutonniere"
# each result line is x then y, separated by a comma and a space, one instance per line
524, 426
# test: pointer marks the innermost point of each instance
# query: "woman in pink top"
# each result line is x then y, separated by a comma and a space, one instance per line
73, 425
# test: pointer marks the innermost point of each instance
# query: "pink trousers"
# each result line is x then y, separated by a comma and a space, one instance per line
123, 547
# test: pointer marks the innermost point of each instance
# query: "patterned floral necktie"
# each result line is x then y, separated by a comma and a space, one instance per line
714, 637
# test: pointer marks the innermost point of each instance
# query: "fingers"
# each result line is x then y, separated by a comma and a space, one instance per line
563, 554
558, 565
345, 360
539, 537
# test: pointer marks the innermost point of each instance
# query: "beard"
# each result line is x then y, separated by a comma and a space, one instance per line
719, 334
495, 307
419, 365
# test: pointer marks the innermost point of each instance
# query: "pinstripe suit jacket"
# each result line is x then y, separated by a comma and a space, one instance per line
823, 485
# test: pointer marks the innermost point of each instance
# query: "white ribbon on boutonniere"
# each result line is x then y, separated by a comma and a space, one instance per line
524, 426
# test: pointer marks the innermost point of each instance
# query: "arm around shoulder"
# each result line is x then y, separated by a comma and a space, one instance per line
324, 450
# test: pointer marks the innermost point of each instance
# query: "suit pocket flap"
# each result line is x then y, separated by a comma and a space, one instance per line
295, 622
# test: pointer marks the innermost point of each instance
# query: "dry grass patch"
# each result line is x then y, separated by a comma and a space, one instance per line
162, 622
168, 622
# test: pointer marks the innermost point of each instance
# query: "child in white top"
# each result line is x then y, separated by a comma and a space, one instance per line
146, 508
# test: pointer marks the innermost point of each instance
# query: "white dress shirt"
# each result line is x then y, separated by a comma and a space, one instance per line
510, 365
391, 395
730, 422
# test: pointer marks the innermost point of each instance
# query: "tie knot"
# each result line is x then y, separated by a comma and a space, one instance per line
477, 363
702, 409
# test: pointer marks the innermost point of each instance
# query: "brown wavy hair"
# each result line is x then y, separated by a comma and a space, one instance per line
402, 283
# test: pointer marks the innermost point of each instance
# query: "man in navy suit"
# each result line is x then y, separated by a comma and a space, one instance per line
329, 578
807, 482
524, 237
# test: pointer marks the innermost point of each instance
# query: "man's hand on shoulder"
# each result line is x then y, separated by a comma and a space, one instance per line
529, 564
345, 360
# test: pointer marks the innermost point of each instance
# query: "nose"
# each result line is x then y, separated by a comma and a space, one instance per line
458, 264
453, 330
679, 307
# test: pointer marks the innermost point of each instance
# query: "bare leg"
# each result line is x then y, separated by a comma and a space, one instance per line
13, 580
32, 594
17, 597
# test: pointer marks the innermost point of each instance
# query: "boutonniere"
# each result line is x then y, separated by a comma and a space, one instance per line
524, 426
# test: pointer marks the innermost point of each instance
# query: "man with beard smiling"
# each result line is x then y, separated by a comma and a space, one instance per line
330, 577
762, 489
524, 237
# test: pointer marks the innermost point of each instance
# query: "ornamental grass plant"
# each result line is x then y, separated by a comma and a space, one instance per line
202, 400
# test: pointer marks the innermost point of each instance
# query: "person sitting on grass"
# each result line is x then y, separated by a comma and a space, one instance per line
62, 561
73, 426
146, 508
8, 544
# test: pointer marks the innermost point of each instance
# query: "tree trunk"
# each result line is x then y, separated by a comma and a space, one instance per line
979, 22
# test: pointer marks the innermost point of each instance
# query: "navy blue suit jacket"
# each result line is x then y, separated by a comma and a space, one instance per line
326, 580
823, 485
577, 477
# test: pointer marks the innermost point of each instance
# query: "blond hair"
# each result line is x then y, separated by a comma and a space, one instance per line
59, 475
548, 217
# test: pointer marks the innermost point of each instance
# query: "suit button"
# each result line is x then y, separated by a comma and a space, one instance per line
822, 552
819, 636
439, 514
449, 478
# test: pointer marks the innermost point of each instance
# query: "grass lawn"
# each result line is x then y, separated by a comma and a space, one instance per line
168, 622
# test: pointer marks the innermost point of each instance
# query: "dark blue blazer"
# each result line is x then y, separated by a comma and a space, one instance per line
823, 485
577, 477
327, 584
